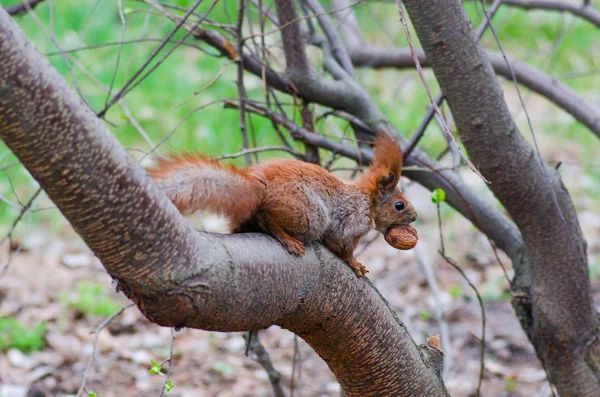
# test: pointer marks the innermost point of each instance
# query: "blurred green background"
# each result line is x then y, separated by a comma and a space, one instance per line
182, 99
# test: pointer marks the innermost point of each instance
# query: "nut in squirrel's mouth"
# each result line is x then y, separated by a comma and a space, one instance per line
402, 237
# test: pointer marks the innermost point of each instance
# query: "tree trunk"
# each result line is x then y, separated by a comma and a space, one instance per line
551, 288
179, 277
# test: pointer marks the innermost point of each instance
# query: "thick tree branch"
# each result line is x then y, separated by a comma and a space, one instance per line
586, 12
179, 277
530, 77
552, 289
295, 57
337, 47
293, 44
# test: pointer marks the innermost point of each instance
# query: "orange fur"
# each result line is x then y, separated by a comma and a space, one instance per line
295, 202
387, 160
194, 182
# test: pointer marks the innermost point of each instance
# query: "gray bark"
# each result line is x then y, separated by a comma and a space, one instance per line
551, 288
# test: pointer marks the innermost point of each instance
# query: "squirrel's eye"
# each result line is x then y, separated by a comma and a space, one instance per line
399, 205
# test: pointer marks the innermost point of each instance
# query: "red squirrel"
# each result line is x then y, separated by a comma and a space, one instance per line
294, 201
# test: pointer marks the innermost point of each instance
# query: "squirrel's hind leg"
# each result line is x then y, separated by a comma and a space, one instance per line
291, 244
345, 253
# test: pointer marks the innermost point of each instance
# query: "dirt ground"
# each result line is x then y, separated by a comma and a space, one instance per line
52, 265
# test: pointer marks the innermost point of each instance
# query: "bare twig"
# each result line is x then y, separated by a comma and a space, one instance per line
295, 381
438, 312
240, 77
295, 57
452, 263
337, 48
24, 210
117, 43
129, 85
586, 12
52, 38
170, 360
102, 325
123, 30
261, 356
434, 108
246, 152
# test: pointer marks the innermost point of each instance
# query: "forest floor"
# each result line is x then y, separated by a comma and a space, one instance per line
57, 280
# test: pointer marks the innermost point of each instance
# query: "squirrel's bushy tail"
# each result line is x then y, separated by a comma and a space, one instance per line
194, 182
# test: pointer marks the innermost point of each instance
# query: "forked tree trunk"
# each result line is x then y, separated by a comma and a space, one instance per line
179, 277
551, 287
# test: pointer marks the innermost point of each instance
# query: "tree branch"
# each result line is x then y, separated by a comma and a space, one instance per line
178, 277
530, 77
586, 12
22, 8
551, 287
295, 57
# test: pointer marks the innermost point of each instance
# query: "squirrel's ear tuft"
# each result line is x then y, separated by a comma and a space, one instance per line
387, 162
387, 183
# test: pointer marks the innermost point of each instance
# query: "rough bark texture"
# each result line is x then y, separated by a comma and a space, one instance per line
179, 277
551, 287
293, 44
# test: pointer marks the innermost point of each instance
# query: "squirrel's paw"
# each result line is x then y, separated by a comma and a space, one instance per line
293, 246
358, 267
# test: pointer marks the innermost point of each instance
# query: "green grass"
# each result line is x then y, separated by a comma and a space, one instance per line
90, 300
14, 335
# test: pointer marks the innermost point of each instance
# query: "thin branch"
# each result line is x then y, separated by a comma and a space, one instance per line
117, 43
414, 141
123, 30
240, 77
246, 152
24, 210
126, 87
337, 48
100, 327
50, 34
437, 307
261, 356
295, 58
586, 12
438, 113
170, 360
452, 263
296, 368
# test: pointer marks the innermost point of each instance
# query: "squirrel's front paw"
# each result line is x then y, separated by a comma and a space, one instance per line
293, 246
359, 269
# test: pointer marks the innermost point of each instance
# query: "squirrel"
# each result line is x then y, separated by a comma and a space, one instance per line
293, 201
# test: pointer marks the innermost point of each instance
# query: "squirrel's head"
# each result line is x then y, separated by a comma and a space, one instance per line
391, 206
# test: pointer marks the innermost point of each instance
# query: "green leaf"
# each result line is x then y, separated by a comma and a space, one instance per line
92, 394
156, 368
455, 291
169, 385
425, 316
438, 195
511, 385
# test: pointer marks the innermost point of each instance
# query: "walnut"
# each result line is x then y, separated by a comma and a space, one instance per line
402, 237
